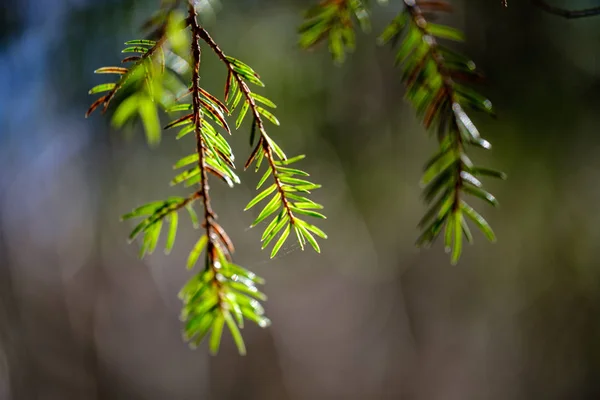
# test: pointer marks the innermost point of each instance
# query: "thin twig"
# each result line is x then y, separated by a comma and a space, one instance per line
212, 228
168, 209
565, 13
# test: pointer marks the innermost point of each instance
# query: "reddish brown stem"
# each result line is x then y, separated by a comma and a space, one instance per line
209, 216
268, 151
448, 88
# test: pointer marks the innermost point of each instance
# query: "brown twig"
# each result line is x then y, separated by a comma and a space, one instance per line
168, 209
213, 230
565, 13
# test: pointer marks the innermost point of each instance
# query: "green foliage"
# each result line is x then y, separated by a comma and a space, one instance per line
222, 293
288, 198
287, 189
220, 290
436, 79
139, 78
219, 158
164, 76
155, 213
334, 19
152, 81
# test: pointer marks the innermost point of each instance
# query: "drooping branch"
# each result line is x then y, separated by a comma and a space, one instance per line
566, 13
258, 120
156, 214
437, 80
147, 48
287, 187
197, 121
333, 20
213, 231
222, 293
147, 53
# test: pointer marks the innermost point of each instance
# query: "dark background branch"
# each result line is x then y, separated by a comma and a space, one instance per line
569, 14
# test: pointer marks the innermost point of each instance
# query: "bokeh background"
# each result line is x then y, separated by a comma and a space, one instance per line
372, 317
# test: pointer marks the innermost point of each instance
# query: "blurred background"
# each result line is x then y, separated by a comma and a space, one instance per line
372, 317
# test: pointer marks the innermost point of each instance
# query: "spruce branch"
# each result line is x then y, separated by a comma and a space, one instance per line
334, 19
149, 81
222, 288
141, 102
435, 79
156, 213
222, 293
287, 190
147, 49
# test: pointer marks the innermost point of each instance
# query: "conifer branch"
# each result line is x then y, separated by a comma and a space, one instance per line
334, 19
213, 244
285, 184
222, 293
126, 73
197, 121
147, 48
141, 101
435, 78
157, 212
147, 76
222, 288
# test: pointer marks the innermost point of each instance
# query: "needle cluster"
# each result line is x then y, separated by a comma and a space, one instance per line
437, 86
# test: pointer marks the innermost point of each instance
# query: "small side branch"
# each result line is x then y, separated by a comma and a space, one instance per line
268, 152
565, 13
